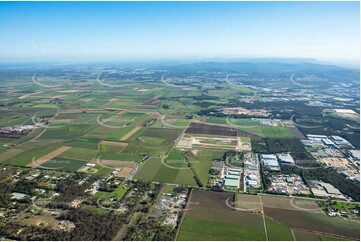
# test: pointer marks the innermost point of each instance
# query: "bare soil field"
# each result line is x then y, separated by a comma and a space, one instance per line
209, 199
124, 173
290, 203
202, 128
246, 202
9, 171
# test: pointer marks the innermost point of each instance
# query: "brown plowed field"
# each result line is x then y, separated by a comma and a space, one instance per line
202, 128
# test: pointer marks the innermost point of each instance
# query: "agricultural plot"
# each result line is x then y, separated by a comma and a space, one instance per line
253, 127
172, 170
306, 215
248, 203
127, 128
79, 154
64, 164
277, 231
207, 217
153, 142
202, 128
26, 158
67, 132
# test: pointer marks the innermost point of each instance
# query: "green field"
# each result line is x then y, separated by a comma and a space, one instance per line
154, 170
79, 154
277, 231
119, 193
26, 158
64, 164
199, 229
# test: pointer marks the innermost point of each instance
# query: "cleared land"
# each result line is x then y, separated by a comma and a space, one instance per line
124, 173
202, 128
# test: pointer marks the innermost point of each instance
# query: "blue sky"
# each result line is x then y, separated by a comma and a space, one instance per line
39, 31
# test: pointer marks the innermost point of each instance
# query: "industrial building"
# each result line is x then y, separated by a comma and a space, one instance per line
285, 158
270, 162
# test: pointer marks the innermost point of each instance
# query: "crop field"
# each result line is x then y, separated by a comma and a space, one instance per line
207, 211
277, 231
207, 217
26, 158
173, 171
64, 164
178, 168
153, 142
166, 130
79, 154
315, 222
306, 215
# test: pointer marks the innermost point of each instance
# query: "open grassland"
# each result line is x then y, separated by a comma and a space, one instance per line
119, 192
102, 171
201, 162
277, 132
176, 172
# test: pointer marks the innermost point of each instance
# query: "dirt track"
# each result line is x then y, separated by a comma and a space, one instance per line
128, 135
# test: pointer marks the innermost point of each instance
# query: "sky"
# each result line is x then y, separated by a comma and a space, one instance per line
49, 31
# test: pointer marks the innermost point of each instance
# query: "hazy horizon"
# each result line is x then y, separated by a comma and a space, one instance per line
156, 31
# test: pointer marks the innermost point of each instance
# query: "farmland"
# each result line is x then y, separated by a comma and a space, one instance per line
207, 216
152, 153
283, 219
